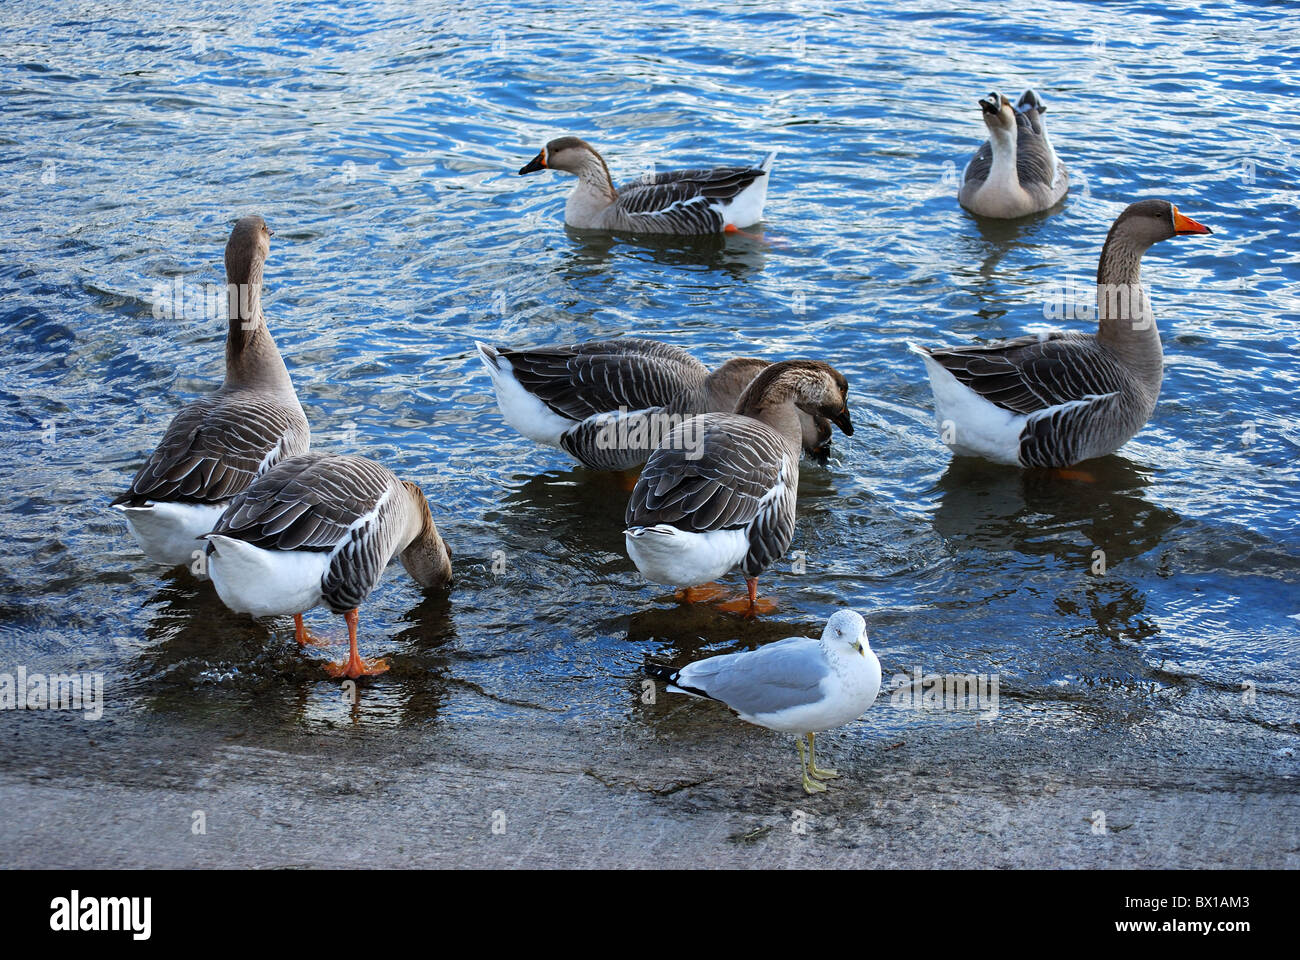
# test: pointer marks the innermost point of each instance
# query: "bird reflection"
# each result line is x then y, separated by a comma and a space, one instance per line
1093, 520
739, 254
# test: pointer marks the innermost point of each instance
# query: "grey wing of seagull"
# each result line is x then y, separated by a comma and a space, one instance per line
215, 447
779, 676
314, 502
721, 471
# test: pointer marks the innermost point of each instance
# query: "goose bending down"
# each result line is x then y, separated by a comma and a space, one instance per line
1016, 172
217, 445
717, 200
1055, 399
608, 403
320, 529
800, 685
720, 490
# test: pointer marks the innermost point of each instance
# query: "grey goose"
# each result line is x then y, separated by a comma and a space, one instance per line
216, 445
1015, 172
684, 202
720, 491
608, 403
320, 529
1053, 400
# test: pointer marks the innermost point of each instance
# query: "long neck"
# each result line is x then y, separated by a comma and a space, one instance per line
721, 389
252, 360
776, 408
1003, 144
594, 192
1125, 322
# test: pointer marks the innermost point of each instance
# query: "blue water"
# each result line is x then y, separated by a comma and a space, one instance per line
381, 145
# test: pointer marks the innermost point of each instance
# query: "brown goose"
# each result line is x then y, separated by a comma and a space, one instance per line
321, 528
217, 445
1016, 172
608, 403
720, 491
717, 200
1053, 400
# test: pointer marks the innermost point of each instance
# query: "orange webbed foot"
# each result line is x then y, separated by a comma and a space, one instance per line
704, 593
355, 667
1083, 476
749, 608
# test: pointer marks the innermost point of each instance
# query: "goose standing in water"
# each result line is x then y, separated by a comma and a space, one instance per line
1016, 172
1053, 400
321, 528
720, 490
799, 685
217, 445
686, 202
608, 403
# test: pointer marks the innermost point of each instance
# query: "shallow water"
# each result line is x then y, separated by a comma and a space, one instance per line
381, 145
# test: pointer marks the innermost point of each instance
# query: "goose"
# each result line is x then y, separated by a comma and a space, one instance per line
687, 202
320, 529
1053, 400
216, 445
1016, 172
720, 490
800, 685
608, 403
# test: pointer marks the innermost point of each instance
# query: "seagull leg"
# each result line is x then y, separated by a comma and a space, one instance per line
303, 635
354, 666
813, 769
809, 785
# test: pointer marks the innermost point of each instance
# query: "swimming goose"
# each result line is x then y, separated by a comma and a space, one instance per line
320, 529
1052, 400
720, 490
217, 445
681, 201
1016, 172
799, 685
608, 403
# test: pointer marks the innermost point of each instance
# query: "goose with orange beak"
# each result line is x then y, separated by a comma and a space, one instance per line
1015, 173
1055, 399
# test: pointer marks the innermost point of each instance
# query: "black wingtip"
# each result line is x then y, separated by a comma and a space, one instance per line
656, 672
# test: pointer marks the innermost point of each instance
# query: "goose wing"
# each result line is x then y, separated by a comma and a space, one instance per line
313, 502
216, 446
688, 200
721, 471
1029, 374
586, 379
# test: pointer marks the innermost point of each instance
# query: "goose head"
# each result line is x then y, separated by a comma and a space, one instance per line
427, 558
813, 388
1148, 222
247, 250
999, 114
570, 154
729, 381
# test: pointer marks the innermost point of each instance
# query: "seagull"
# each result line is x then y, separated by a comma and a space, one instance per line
799, 685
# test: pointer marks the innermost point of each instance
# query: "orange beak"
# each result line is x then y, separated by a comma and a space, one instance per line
1184, 225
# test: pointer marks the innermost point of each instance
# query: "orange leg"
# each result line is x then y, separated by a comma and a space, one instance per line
354, 666
705, 593
750, 606
303, 635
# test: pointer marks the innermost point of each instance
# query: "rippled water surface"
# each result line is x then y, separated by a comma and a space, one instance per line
381, 143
